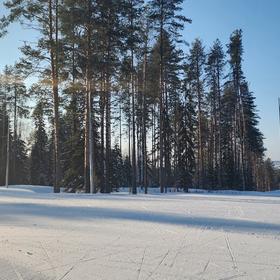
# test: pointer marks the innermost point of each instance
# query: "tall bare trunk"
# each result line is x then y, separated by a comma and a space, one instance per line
161, 96
120, 131
102, 132
108, 137
53, 38
89, 146
7, 155
219, 123
200, 147
15, 134
144, 144
134, 189
91, 140
243, 147
86, 145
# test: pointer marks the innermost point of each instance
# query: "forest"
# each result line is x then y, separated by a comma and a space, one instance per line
122, 99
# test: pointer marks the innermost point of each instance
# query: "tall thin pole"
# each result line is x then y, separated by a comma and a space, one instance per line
8, 154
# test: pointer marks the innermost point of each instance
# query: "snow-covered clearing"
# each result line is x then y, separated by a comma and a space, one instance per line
173, 236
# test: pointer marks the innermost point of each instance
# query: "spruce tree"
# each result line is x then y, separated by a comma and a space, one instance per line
246, 134
72, 144
39, 157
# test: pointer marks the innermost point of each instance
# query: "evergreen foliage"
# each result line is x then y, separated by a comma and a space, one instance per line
120, 103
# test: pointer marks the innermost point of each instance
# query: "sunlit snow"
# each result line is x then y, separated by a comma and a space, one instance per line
172, 236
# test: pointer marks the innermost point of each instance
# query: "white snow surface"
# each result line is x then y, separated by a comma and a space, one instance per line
221, 235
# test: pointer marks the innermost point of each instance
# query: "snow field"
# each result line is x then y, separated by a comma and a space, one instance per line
175, 236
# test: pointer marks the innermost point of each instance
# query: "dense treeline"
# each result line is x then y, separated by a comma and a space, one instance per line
120, 102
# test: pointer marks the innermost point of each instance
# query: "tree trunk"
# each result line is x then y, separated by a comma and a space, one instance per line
134, 188
102, 132
108, 137
144, 133
7, 155
54, 73
161, 96
14, 163
219, 121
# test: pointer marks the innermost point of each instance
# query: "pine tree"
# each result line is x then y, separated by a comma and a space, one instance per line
111, 40
100, 70
42, 16
196, 61
167, 19
144, 106
14, 100
17, 97
132, 25
214, 74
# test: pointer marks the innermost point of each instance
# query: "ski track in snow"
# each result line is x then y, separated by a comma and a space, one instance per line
227, 235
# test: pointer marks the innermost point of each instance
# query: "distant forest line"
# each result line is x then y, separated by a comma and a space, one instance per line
122, 100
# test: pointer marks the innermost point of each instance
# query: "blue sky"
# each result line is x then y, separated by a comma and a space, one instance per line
260, 22
213, 19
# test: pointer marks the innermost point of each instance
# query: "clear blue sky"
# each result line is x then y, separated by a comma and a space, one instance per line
213, 19
260, 22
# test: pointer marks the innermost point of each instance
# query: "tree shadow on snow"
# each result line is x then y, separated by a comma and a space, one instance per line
17, 211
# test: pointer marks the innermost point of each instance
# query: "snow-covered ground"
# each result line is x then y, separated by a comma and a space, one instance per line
118, 236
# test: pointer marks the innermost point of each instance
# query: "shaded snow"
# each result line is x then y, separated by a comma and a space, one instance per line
27, 188
225, 235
